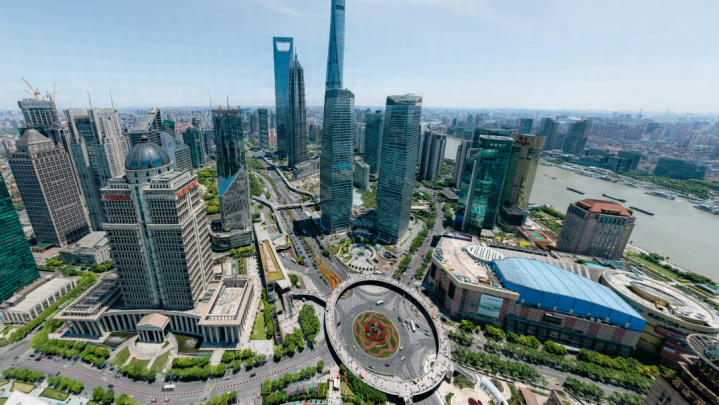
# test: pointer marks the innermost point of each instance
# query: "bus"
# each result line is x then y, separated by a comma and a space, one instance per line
380, 302
169, 387
412, 324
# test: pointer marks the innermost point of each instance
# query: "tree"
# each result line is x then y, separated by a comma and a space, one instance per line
320, 366
278, 353
266, 387
108, 397
97, 393
228, 356
494, 333
554, 348
326, 253
291, 349
121, 399
467, 325
63, 383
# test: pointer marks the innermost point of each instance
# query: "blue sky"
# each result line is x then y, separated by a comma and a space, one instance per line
604, 55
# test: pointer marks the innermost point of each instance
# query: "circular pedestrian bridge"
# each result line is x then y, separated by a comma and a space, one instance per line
392, 385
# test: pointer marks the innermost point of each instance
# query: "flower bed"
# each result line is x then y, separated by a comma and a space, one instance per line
376, 334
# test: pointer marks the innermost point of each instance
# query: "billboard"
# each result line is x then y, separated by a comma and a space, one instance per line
490, 306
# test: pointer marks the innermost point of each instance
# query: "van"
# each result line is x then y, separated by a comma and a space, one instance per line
401, 348
402, 358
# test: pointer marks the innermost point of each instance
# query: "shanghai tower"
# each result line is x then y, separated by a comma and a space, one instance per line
336, 55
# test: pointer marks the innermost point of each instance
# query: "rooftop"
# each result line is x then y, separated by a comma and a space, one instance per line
548, 286
456, 259
155, 319
604, 207
662, 298
38, 294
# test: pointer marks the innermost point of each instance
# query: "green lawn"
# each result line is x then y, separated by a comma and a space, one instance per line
160, 362
258, 330
3, 382
54, 394
121, 357
22, 387
655, 267
93, 403
141, 363
369, 198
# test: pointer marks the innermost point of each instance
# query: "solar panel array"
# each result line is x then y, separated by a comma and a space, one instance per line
547, 286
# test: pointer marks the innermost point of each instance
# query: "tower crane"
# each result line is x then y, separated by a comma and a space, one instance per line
35, 91
52, 96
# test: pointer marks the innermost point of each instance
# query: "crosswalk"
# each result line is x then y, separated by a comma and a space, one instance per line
354, 300
416, 359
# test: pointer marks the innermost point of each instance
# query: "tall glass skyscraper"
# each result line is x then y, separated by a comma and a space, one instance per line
229, 142
193, 139
548, 127
577, 135
283, 51
336, 160
482, 182
525, 126
522, 169
17, 266
397, 165
98, 149
373, 139
336, 54
263, 128
296, 116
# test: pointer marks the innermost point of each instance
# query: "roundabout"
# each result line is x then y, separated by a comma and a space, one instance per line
423, 358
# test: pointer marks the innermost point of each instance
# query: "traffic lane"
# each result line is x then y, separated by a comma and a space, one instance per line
16, 349
147, 391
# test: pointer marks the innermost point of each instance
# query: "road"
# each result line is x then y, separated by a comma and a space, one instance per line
437, 230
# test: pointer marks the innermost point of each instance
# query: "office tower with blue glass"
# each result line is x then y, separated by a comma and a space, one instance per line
336, 54
548, 127
283, 53
150, 126
263, 128
485, 169
397, 166
336, 160
296, 116
525, 126
234, 228
576, 138
229, 142
98, 148
373, 139
17, 265
432, 156
522, 169
193, 139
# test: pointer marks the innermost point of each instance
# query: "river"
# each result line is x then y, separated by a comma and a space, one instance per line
685, 234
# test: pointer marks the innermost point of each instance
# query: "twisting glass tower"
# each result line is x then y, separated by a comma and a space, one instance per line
336, 54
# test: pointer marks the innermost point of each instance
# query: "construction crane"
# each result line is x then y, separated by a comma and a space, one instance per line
35, 91
51, 96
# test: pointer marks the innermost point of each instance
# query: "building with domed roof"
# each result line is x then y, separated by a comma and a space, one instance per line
157, 231
49, 189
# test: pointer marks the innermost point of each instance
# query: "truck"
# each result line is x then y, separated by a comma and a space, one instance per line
412, 324
380, 302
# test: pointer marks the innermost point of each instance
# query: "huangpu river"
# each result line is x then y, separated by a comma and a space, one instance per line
688, 236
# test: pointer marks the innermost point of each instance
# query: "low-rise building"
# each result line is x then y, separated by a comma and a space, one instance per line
219, 317
531, 295
91, 249
28, 303
306, 168
671, 315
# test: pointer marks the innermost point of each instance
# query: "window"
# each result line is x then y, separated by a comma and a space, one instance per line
450, 292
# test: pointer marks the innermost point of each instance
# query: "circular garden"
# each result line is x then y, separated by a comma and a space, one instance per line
376, 334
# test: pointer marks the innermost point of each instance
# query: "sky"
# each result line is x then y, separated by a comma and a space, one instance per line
597, 55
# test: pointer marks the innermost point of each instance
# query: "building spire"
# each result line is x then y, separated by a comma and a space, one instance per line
336, 53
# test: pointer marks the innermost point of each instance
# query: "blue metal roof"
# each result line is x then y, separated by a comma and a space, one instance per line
547, 286
228, 183
146, 155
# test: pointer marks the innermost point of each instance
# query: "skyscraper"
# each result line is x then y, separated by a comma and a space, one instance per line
479, 132
39, 114
485, 169
577, 136
397, 166
373, 139
459, 160
98, 149
234, 228
178, 152
548, 127
360, 137
596, 228
229, 142
193, 139
522, 169
296, 116
336, 160
17, 266
158, 234
336, 54
430, 163
525, 126
150, 126
283, 51
49, 190
263, 128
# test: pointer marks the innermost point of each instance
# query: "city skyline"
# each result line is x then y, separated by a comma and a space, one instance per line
609, 62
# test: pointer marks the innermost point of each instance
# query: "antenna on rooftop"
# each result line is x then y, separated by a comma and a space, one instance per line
89, 99
111, 101
228, 102
210, 94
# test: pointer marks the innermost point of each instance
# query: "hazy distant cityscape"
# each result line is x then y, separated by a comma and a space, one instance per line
338, 253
